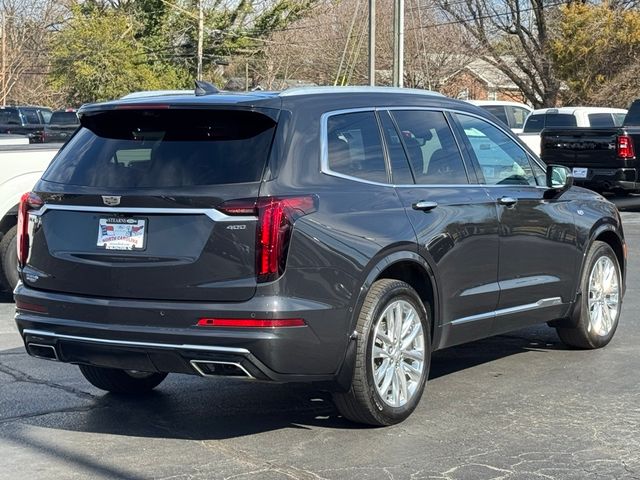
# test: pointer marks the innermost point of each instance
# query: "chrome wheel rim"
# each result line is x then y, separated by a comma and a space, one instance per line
604, 297
397, 356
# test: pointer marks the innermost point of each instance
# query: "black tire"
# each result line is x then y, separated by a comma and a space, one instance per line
9, 258
121, 381
362, 403
583, 335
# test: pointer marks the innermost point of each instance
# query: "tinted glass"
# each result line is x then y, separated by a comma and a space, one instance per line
498, 111
534, 123
10, 117
400, 171
618, 119
519, 116
501, 159
560, 120
31, 116
165, 148
355, 147
46, 114
64, 118
633, 115
601, 120
432, 150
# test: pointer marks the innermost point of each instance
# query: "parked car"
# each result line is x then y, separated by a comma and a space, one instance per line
62, 125
601, 158
512, 114
25, 120
328, 235
568, 117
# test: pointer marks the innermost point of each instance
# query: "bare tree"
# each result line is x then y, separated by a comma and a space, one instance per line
26, 26
513, 35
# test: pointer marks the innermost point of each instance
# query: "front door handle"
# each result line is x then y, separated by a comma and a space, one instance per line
507, 201
425, 205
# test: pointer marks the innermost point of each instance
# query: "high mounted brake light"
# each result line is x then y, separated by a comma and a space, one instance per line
276, 216
29, 201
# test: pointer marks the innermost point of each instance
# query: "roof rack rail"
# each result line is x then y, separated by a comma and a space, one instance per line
205, 88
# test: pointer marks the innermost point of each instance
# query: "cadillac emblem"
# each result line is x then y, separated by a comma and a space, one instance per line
111, 201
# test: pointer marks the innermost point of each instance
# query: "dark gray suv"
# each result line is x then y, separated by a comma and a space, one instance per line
334, 236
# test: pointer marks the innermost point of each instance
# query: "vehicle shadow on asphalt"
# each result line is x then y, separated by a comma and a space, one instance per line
186, 407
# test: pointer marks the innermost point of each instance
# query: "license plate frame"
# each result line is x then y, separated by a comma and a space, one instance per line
123, 234
579, 172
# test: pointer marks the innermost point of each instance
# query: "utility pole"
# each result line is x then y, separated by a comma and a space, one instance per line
200, 37
4, 65
372, 42
398, 43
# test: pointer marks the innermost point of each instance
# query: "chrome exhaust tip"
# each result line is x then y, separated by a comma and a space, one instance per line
215, 368
46, 352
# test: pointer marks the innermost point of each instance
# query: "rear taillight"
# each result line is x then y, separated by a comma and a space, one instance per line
624, 147
276, 216
29, 201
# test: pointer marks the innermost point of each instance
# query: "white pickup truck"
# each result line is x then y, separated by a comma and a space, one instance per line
20, 168
568, 117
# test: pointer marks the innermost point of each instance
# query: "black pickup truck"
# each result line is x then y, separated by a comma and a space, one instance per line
603, 159
29, 121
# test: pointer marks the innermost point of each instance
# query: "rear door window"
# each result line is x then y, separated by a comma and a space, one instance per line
431, 147
165, 148
31, 116
354, 146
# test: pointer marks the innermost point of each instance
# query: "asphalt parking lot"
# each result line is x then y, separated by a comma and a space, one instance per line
514, 406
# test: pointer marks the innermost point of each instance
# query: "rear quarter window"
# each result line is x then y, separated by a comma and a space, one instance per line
165, 148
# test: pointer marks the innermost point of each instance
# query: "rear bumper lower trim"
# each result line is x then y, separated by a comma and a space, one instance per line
128, 343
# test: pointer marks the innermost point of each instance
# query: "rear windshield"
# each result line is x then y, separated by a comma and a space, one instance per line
64, 118
165, 148
535, 123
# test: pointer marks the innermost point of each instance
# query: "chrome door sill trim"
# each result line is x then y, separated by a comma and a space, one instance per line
129, 343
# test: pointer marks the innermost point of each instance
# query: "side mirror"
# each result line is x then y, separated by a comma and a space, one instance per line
559, 178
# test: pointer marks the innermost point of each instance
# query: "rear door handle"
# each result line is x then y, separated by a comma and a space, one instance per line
425, 205
507, 201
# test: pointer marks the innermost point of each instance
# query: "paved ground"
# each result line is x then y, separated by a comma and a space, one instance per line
514, 406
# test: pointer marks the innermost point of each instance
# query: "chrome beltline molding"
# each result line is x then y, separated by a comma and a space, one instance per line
212, 213
542, 303
128, 343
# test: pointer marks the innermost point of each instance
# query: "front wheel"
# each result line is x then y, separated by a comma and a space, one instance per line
114, 380
601, 302
393, 356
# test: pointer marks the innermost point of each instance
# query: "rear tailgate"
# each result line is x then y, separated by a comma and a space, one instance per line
581, 147
132, 206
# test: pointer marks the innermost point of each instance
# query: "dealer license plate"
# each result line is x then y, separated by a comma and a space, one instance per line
580, 172
119, 233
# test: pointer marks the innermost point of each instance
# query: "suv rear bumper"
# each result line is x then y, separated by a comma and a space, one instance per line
162, 336
610, 179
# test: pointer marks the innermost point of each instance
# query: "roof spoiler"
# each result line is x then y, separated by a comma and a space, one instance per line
205, 88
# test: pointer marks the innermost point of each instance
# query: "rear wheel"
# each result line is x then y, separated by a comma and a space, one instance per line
601, 300
122, 381
393, 356
9, 258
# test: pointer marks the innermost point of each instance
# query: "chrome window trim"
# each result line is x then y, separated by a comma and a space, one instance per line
324, 148
542, 303
130, 343
212, 213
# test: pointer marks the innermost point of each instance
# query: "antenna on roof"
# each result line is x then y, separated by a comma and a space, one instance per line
205, 88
